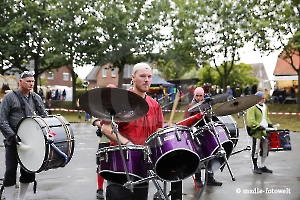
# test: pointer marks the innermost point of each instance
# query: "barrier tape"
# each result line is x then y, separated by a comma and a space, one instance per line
271, 113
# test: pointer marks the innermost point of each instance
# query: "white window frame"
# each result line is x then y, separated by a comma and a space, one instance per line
50, 75
104, 72
66, 76
113, 72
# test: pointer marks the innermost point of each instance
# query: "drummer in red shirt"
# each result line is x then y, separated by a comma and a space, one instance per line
199, 96
135, 132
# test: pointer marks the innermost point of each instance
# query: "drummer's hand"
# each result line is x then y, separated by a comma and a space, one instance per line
169, 124
15, 139
128, 143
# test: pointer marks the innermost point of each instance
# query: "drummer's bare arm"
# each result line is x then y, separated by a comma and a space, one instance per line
107, 130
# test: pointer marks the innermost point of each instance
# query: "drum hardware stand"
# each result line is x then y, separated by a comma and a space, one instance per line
221, 149
248, 148
114, 127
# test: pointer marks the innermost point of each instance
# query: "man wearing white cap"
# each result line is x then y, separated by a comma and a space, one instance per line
258, 120
135, 132
199, 96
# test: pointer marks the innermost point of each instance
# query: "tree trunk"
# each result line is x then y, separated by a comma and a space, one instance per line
74, 76
298, 93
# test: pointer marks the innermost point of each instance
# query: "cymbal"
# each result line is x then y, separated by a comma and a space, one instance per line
210, 101
104, 103
237, 105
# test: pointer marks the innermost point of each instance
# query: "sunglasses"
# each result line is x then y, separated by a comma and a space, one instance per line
198, 95
26, 73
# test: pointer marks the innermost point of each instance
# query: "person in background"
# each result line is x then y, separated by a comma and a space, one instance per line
293, 91
229, 92
64, 94
282, 95
160, 94
16, 105
275, 95
238, 91
48, 106
247, 90
258, 120
135, 132
199, 96
254, 89
267, 95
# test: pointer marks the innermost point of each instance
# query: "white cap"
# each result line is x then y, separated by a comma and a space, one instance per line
140, 66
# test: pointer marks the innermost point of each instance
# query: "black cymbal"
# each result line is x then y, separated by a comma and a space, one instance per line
209, 101
104, 103
237, 105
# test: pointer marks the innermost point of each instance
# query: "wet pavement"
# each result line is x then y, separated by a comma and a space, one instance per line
77, 180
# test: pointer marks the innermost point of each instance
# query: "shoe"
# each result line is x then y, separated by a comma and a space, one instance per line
199, 183
256, 170
265, 170
213, 182
99, 194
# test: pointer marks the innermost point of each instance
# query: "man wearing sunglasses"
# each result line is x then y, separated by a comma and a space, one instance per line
16, 105
199, 96
258, 120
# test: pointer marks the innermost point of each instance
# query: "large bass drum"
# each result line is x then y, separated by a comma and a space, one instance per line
50, 143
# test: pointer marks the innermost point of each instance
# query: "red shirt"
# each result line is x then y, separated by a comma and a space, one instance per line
139, 130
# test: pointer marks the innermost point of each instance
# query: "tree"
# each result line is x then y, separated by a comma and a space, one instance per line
127, 32
217, 29
72, 29
277, 26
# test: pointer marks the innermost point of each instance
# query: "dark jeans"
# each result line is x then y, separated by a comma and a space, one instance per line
11, 163
118, 192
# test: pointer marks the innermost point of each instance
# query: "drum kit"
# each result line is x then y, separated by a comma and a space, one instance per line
171, 154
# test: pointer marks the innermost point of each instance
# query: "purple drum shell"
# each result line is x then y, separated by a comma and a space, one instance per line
174, 159
209, 145
112, 168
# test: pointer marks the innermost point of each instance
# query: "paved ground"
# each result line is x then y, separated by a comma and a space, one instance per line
77, 180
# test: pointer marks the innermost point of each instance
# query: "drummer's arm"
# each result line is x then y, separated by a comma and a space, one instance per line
5, 128
107, 130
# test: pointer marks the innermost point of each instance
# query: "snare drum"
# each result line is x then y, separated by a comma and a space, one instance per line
112, 167
173, 153
207, 143
279, 140
50, 141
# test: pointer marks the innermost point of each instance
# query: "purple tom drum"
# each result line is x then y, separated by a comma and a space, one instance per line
112, 168
173, 153
207, 144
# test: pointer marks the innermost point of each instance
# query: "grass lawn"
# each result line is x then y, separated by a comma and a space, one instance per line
291, 122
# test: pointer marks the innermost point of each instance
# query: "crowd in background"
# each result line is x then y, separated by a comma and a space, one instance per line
166, 95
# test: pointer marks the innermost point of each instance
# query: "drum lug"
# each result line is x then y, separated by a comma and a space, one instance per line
177, 135
198, 142
106, 156
127, 154
159, 141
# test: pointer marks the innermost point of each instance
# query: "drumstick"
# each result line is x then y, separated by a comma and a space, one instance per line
175, 103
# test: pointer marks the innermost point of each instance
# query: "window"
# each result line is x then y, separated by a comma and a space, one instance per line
113, 72
50, 75
65, 76
103, 72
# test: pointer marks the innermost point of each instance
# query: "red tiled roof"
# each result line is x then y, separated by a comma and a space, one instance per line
283, 67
